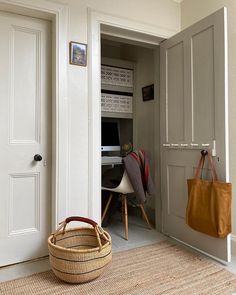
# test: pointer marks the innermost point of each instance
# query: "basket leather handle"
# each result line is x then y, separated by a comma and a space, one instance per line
98, 230
81, 219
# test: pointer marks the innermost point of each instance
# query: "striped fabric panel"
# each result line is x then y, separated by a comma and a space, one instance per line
139, 156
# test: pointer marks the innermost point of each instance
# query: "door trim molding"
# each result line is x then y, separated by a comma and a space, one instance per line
95, 20
58, 15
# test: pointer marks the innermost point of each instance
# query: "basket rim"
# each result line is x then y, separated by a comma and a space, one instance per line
78, 250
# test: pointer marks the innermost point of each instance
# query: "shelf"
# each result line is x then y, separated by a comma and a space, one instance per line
117, 88
122, 90
117, 115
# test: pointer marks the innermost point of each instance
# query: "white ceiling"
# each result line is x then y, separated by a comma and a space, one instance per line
178, 1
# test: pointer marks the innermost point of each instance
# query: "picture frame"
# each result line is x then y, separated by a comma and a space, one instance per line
78, 54
148, 92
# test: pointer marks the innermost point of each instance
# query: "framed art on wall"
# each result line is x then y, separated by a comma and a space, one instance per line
148, 92
78, 54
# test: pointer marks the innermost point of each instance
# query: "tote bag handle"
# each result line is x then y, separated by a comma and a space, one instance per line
201, 165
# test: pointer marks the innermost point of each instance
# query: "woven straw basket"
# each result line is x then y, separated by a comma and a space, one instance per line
81, 254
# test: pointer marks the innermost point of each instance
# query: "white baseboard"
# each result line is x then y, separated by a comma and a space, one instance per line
233, 244
19, 270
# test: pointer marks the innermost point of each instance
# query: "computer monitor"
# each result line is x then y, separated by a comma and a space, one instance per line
110, 137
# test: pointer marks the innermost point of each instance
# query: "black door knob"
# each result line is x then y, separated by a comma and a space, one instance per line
37, 158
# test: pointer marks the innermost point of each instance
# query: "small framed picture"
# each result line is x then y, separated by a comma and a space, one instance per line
148, 92
78, 54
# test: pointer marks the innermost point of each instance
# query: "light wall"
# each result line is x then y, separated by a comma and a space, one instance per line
191, 12
164, 13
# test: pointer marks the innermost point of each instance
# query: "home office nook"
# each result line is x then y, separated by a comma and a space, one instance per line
128, 116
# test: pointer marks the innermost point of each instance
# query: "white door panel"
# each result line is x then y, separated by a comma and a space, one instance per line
25, 112
193, 113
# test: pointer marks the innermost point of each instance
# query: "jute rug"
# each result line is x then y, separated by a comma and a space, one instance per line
161, 268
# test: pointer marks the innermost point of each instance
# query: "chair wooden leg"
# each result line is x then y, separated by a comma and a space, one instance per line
122, 209
124, 200
107, 207
145, 216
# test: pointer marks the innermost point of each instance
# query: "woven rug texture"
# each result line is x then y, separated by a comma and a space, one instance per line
162, 268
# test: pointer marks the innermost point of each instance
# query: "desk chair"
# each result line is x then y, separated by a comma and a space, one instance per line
124, 188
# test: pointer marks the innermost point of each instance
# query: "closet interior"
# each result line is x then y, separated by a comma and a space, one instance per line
129, 121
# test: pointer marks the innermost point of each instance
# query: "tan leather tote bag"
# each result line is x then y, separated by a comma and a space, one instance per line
209, 203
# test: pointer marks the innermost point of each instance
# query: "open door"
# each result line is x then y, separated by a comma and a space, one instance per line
193, 116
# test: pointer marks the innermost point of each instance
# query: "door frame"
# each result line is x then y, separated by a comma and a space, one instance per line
58, 15
95, 20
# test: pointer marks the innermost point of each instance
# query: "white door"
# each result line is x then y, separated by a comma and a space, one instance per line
193, 117
25, 131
